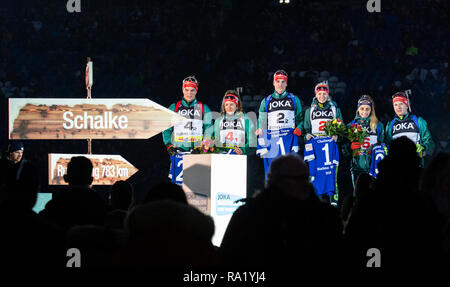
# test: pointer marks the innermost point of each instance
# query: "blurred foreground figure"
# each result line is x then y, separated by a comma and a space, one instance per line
285, 226
78, 204
394, 218
165, 234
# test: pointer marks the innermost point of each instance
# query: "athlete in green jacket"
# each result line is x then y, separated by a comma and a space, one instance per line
367, 119
276, 113
233, 130
406, 124
198, 126
322, 110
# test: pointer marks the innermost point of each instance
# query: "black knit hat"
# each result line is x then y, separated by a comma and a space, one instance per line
15, 146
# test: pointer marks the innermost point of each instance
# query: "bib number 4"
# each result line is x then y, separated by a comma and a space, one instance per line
229, 137
188, 126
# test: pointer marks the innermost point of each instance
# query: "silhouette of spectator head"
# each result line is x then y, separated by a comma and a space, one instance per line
169, 234
403, 149
289, 174
79, 171
400, 170
436, 182
121, 195
15, 151
166, 190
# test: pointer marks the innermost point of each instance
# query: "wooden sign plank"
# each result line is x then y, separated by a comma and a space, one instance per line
45, 118
107, 169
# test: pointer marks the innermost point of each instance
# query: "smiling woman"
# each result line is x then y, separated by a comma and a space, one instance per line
233, 129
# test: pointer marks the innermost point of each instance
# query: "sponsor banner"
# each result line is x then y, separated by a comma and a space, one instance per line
226, 203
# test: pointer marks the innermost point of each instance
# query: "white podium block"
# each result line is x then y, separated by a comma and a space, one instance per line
213, 182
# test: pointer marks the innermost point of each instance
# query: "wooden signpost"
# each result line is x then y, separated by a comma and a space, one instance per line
107, 169
78, 118
45, 118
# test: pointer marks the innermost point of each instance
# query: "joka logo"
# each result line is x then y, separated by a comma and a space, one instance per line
221, 196
73, 6
373, 6
328, 114
232, 124
225, 203
190, 113
280, 104
404, 127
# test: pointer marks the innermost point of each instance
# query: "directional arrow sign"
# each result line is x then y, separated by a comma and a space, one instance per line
88, 118
107, 168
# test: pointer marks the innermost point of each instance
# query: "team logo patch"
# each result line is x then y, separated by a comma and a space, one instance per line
308, 147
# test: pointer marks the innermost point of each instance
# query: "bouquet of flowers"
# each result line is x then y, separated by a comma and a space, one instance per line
356, 134
335, 128
207, 146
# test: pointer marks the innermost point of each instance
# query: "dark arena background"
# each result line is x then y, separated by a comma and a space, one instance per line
144, 49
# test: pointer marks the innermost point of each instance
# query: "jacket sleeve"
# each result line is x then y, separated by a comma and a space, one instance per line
167, 134
380, 136
425, 136
262, 117
339, 114
388, 134
299, 114
306, 122
217, 132
208, 128
250, 136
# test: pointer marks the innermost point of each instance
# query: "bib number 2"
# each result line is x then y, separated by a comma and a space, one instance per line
179, 177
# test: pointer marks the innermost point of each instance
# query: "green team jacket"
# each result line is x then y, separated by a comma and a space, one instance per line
307, 122
361, 163
250, 139
262, 120
207, 127
425, 136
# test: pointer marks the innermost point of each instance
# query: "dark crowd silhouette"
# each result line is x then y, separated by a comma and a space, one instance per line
404, 213
142, 49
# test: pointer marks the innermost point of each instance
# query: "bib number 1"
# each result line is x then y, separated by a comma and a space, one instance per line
326, 149
281, 144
